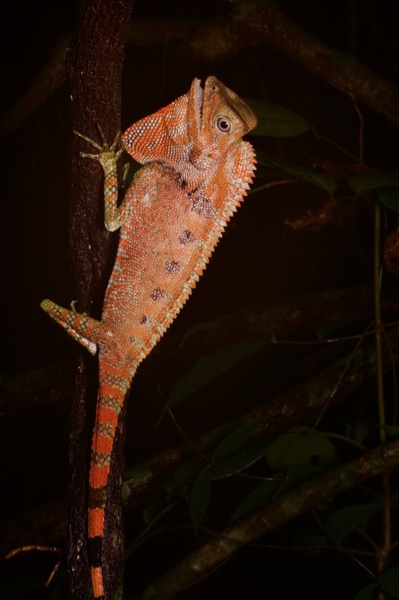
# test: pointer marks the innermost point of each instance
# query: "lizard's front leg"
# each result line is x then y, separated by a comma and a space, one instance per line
88, 331
108, 158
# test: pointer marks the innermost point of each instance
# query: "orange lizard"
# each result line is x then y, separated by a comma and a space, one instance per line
197, 170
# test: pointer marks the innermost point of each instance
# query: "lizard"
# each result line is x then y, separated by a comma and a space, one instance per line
196, 171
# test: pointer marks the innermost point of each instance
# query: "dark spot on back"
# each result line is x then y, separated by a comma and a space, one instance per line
186, 236
180, 181
203, 207
143, 320
157, 294
172, 266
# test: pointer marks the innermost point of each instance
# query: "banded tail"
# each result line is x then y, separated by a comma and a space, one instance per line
114, 383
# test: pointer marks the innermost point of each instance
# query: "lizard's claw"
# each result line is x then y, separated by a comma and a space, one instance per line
73, 309
115, 142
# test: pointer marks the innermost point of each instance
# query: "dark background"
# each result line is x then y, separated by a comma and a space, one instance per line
260, 260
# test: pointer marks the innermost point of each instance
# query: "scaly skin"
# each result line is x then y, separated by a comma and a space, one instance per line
197, 170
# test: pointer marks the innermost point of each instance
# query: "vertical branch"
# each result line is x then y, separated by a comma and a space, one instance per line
378, 321
94, 68
384, 551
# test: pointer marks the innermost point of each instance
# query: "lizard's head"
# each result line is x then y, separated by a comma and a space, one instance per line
217, 119
197, 128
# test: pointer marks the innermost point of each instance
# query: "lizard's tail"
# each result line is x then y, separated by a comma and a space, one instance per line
114, 379
114, 384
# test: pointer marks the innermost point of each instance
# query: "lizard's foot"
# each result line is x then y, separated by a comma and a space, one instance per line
104, 148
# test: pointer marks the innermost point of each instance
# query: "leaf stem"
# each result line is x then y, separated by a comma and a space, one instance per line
383, 554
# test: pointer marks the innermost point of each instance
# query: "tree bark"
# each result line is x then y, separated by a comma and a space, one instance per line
94, 70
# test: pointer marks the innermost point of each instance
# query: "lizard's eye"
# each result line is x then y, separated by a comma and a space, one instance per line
223, 124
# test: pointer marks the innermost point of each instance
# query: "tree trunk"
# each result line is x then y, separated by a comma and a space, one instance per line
94, 69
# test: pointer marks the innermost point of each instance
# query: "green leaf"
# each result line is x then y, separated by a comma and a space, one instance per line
234, 440
276, 121
179, 479
390, 198
361, 182
200, 495
258, 497
298, 172
240, 460
299, 448
389, 581
366, 593
208, 368
344, 521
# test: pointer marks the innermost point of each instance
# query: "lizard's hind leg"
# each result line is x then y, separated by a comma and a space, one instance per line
85, 330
